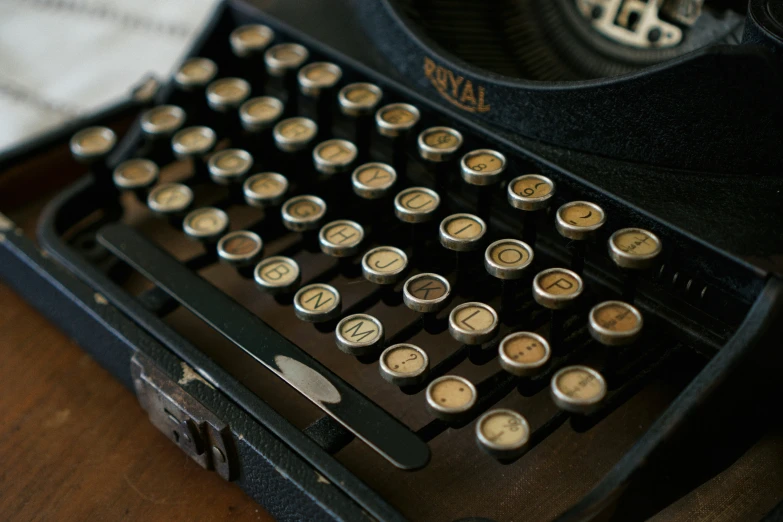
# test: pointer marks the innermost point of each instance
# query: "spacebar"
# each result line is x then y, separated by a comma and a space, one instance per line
357, 413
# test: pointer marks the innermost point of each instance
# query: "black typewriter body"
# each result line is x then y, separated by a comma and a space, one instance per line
201, 344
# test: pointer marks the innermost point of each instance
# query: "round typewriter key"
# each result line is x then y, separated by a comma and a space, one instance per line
317, 303
205, 224
426, 293
229, 166
294, 134
277, 274
531, 192
302, 213
404, 364
227, 93
135, 174
502, 433
615, 323
250, 39
523, 353
333, 156
384, 265
359, 99
373, 180
265, 189
284, 58
260, 113
340, 238
579, 219
92, 143
473, 323
240, 248
634, 248
462, 232
317, 76
193, 142
163, 120
170, 198
195, 73
556, 288
508, 258
450, 397
578, 389
439, 143
395, 119
359, 334
416, 204
482, 167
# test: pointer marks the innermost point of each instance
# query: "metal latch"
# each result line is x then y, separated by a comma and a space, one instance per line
184, 420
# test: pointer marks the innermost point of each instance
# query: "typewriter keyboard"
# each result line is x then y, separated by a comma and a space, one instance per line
455, 306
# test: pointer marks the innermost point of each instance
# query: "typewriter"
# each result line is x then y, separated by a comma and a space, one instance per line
484, 278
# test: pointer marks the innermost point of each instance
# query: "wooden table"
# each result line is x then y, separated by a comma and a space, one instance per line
75, 445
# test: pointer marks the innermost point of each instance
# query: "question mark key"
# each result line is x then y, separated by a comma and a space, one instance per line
404, 364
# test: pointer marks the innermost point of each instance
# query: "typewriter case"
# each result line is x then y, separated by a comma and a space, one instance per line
700, 411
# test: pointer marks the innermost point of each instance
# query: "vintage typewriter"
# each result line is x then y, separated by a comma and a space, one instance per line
464, 298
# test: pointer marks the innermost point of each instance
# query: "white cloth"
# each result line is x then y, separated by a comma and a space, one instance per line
63, 58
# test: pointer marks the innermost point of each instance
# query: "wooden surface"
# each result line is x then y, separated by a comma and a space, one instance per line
75, 445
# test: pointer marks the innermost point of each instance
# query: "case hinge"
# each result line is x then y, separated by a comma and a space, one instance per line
184, 420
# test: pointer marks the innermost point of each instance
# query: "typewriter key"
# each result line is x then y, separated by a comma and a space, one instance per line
482, 167
523, 353
193, 142
333, 156
530, 193
404, 364
260, 113
579, 219
359, 99
302, 213
502, 433
229, 166
416, 204
373, 180
384, 265
92, 144
450, 397
473, 323
462, 232
284, 58
135, 174
170, 199
439, 144
282, 61
396, 119
227, 94
318, 76
578, 389
426, 293
205, 224
615, 323
508, 258
317, 303
195, 74
340, 238
556, 288
266, 189
277, 275
634, 248
162, 121
294, 134
359, 334
240, 248
251, 39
